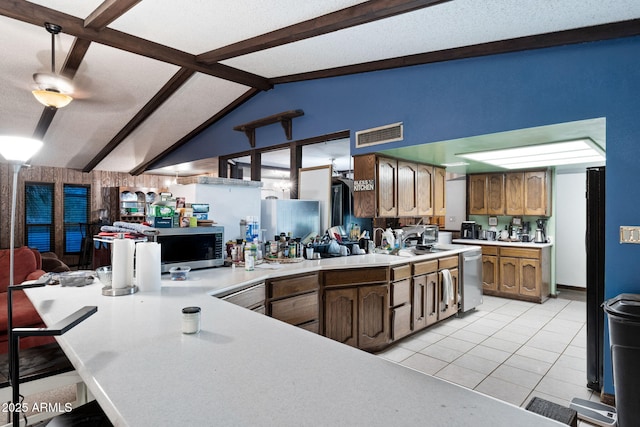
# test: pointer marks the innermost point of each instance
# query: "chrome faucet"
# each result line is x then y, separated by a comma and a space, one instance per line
407, 232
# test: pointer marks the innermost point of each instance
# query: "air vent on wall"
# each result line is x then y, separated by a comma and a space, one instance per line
379, 135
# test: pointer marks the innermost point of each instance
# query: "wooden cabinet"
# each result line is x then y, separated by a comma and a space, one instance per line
358, 316
516, 272
252, 297
356, 307
407, 189
425, 294
536, 197
495, 194
340, 315
424, 190
439, 191
489, 268
373, 317
387, 187
448, 292
294, 300
512, 193
364, 186
509, 275
400, 301
477, 194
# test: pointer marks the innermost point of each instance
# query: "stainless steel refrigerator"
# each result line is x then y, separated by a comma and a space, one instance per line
298, 217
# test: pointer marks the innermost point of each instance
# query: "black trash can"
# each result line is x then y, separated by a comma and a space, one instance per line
624, 334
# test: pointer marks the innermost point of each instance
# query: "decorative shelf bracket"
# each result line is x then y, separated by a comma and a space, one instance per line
285, 119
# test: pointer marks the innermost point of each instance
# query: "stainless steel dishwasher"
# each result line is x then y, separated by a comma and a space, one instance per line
471, 289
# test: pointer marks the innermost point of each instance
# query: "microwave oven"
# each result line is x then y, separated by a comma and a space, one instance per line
196, 247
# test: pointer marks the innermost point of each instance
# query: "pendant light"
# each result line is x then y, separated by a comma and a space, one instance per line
52, 89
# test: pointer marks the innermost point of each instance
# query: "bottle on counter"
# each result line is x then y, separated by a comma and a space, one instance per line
249, 259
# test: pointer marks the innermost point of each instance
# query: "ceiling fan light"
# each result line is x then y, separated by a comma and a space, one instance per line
52, 99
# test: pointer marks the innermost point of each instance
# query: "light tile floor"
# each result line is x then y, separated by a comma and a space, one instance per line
511, 350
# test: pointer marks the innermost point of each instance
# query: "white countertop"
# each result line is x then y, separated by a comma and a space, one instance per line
244, 368
502, 243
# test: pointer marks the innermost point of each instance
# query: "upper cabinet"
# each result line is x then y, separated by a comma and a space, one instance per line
424, 189
387, 187
510, 193
514, 188
439, 194
477, 194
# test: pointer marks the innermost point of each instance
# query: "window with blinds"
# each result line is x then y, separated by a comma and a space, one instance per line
76, 217
39, 199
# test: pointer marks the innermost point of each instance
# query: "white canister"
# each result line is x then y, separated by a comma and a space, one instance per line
445, 237
190, 320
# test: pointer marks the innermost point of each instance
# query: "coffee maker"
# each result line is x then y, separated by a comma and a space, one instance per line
541, 233
469, 230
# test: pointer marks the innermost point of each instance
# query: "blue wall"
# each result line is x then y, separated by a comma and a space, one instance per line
470, 97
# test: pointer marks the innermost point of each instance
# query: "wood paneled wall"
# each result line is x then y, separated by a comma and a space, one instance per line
100, 181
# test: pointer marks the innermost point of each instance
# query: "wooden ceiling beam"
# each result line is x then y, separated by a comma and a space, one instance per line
107, 12
159, 98
559, 38
222, 113
345, 18
38, 15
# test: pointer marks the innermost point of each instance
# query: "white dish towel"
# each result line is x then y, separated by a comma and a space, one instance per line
447, 287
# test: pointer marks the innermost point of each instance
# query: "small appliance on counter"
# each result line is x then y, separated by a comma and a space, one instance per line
469, 230
541, 235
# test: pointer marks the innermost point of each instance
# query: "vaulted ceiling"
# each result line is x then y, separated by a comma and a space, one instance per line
149, 75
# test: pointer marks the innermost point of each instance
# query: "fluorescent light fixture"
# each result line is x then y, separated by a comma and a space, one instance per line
550, 154
18, 149
453, 164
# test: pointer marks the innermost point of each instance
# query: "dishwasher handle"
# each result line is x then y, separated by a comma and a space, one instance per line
473, 258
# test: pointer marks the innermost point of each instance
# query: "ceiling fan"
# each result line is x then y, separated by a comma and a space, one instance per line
53, 90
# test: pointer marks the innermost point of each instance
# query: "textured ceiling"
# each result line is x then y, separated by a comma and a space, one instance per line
99, 128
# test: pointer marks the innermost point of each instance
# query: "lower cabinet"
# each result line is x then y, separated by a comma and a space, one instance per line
400, 291
357, 307
358, 316
448, 291
516, 272
425, 300
251, 297
294, 299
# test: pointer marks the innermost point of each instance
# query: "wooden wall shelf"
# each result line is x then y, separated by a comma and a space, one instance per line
284, 118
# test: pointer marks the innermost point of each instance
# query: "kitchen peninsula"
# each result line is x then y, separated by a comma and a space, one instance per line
244, 368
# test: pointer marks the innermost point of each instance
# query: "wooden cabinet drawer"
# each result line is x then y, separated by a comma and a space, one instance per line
249, 297
296, 310
401, 322
489, 250
400, 272
400, 292
355, 277
425, 267
448, 262
520, 253
293, 285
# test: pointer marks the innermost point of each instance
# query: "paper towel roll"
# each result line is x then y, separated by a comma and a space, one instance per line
148, 266
122, 263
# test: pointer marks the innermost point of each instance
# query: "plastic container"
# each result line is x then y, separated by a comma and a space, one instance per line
624, 334
179, 273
